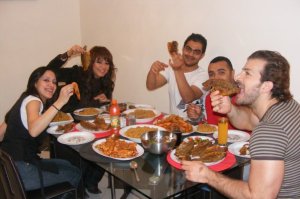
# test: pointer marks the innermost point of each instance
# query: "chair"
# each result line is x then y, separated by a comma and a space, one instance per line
11, 185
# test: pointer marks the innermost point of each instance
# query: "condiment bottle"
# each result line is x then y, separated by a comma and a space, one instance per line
114, 112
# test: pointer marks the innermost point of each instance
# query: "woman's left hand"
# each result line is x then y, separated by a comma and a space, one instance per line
102, 98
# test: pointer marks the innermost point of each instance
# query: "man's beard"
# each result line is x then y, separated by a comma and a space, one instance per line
249, 98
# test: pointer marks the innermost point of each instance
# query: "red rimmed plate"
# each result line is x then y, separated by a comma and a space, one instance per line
227, 162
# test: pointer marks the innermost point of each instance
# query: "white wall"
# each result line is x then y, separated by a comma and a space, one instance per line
136, 32
32, 32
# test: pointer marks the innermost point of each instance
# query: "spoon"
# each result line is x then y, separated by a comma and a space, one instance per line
134, 165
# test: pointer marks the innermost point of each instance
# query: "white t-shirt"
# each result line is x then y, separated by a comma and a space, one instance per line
23, 112
195, 78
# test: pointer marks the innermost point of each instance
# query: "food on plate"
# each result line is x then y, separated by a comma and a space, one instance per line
226, 88
175, 123
75, 140
204, 127
61, 116
200, 149
88, 111
173, 47
76, 90
142, 113
85, 58
245, 150
65, 128
96, 125
117, 148
138, 131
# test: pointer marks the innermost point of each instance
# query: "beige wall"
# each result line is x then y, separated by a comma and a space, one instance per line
136, 32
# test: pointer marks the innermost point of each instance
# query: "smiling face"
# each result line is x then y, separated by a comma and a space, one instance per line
249, 81
100, 67
46, 85
220, 70
192, 53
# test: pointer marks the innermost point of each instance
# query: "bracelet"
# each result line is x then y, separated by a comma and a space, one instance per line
55, 107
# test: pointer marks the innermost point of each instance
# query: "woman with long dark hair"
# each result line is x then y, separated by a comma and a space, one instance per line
25, 125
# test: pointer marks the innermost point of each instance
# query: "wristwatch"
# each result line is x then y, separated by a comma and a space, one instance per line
64, 56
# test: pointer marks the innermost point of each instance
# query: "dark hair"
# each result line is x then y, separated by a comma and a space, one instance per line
276, 70
33, 78
106, 83
31, 89
197, 38
221, 58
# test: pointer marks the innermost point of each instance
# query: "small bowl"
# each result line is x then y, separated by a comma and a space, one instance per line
158, 142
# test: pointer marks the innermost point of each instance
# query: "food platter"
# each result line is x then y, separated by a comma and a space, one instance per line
235, 149
81, 128
235, 136
76, 138
144, 120
197, 129
201, 137
140, 149
52, 130
175, 159
137, 140
87, 116
62, 122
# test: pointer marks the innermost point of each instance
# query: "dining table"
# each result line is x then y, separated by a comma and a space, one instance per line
160, 176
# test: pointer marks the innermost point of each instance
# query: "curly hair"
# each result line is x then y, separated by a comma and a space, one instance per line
93, 85
276, 70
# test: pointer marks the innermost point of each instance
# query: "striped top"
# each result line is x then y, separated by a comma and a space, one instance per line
277, 137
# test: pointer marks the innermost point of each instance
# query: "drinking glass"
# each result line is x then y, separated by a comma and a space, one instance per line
222, 131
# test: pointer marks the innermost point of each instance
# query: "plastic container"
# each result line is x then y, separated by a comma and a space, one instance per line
114, 112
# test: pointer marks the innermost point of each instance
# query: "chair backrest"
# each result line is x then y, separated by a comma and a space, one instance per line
11, 186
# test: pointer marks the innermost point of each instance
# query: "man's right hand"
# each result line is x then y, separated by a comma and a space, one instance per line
221, 104
193, 111
158, 66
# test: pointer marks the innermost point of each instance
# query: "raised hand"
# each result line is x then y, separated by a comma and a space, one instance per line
158, 66
75, 50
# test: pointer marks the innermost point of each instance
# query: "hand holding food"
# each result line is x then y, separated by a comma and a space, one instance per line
75, 50
193, 111
221, 104
76, 90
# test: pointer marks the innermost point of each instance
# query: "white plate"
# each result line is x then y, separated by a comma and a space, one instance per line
206, 132
201, 137
123, 130
235, 136
76, 138
147, 106
145, 120
62, 122
76, 112
139, 149
174, 158
81, 128
52, 130
235, 149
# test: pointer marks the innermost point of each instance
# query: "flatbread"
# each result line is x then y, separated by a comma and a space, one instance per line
226, 88
76, 90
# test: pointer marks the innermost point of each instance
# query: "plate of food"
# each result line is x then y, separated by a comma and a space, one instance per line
60, 129
235, 136
122, 150
76, 138
89, 113
209, 154
175, 123
134, 106
134, 132
198, 138
143, 115
205, 128
240, 149
98, 125
122, 106
61, 118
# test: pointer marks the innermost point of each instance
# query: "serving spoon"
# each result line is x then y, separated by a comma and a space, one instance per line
134, 165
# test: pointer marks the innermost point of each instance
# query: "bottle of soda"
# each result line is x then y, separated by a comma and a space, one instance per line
114, 112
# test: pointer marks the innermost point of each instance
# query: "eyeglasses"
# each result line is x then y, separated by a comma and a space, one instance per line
194, 51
